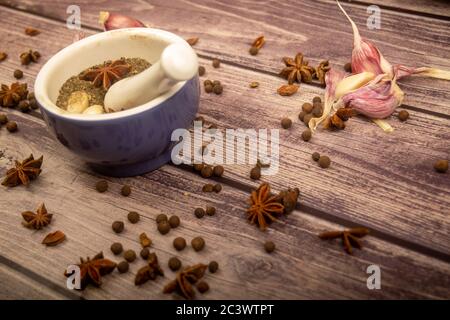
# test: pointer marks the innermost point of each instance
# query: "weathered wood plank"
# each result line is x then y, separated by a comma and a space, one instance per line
372, 180
311, 268
406, 39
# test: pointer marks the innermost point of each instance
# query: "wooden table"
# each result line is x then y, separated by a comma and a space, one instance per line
385, 182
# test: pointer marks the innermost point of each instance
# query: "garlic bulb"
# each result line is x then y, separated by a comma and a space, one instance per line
111, 21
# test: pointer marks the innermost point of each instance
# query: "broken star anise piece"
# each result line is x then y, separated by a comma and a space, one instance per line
37, 220
184, 281
349, 237
92, 270
150, 271
10, 96
23, 172
337, 120
107, 74
321, 70
263, 207
288, 198
297, 69
29, 56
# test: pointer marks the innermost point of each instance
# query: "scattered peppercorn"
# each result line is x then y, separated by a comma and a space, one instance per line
129, 255
202, 286
348, 67
29, 56
307, 118
207, 171
24, 106
269, 246
286, 123
3, 118
179, 243
18, 74
254, 84
441, 166
213, 266
218, 171
317, 110
216, 63
201, 70
255, 173
403, 115
301, 115
101, 186
317, 99
208, 88
199, 212
161, 217
163, 227
144, 253
118, 226
126, 190
210, 211
253, 51
306, 135
33, 103
11, 126
133, 217
116, 248
208, 188
30, 95
198, 243
324, 161
216, 83
174, 221
217, 187
123, 266
218, 89
316, 156
207, 82
174, 264
307, 107
198, 166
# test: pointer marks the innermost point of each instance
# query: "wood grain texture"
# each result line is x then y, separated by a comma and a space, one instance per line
435, 8
403, 38
303, 266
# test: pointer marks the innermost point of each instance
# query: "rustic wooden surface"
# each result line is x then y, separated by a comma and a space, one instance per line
384, 182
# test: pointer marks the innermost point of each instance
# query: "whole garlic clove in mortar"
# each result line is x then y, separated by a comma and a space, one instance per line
95, 109
78, 102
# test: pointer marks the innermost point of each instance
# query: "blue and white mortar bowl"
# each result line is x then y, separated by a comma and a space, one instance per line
124, 143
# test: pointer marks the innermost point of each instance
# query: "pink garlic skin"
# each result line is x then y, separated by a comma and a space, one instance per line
376, 100
366, 57
332, 78
120, 21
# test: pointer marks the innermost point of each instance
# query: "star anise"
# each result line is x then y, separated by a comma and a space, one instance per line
321, 70
92, 270
263, 207
37, 220
297, 69
107, 74
349, 237
150, 271
184, 281
10, 96
23, 172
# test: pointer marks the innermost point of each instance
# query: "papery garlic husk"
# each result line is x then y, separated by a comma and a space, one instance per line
332, 78
376, 100
365, 55
401, 71
111, 21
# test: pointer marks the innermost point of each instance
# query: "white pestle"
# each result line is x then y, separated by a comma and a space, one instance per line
178, 62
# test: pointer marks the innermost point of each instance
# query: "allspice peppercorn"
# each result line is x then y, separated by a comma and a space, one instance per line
218, 171
441, 166
317, 110
207, 171
18, 74
324, 161
306, 135
123, 267
208, 88
116, 248
269, 246
11, 126
161, 217
210, 211
403, 115
202, 286
213, 266
118, 226
101, 186
129, 255
286, 123
253, 51
174, 221
317, 99
255, 173
307, 107
216, 63
208, 188
201, 70
302, 115
218, 89
126, 190
348, 67
174, 264
133, 217
3, 118
144, 253
316, 156
23, 106
199, 212
179, 243
198, 166
198, 243
163, 227
307, 118
217, 187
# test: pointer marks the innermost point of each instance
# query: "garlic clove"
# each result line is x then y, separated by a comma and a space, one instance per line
352, 82
94, 109
111, 21
78, 102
